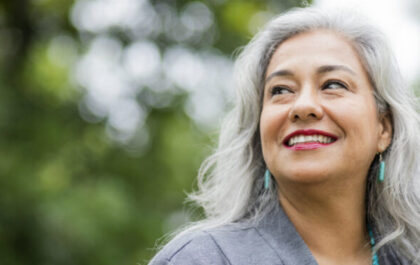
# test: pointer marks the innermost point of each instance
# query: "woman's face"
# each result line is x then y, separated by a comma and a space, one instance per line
319, 119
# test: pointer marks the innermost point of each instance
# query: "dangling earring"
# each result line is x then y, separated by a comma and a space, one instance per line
267, 177
381, 173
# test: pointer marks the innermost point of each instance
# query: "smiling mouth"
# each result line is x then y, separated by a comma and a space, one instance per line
305, 139
308, 139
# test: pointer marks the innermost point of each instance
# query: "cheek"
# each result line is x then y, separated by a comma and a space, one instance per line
359, 123
272, 122
268, 123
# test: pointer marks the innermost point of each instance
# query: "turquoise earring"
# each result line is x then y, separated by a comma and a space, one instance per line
267, 177
381, 173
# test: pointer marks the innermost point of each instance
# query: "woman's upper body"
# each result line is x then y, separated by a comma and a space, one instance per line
271, 241
321, 106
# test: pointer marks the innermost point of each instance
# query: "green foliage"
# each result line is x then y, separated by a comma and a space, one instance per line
70, 193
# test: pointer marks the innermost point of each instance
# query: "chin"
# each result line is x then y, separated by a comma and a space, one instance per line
305, 177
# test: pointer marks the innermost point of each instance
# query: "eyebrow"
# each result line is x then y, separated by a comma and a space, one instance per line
279, 73
320, 70
330, 68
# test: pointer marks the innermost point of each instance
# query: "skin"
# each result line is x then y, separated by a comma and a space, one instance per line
323, 190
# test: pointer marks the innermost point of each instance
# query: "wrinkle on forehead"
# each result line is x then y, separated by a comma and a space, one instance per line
333, 49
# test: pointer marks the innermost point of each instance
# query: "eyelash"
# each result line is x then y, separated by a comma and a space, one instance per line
277, 90
330, 82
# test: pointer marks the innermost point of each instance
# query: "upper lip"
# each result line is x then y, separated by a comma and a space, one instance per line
309, 132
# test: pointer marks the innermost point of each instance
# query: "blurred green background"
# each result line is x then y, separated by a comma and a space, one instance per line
107, 108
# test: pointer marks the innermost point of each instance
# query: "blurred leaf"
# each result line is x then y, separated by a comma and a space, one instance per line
70, 193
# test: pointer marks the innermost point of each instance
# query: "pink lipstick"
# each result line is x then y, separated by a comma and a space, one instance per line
308, 139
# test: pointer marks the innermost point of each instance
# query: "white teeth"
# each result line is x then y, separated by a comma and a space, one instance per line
309, 138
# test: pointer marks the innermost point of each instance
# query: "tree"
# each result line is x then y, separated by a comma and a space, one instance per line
101, 134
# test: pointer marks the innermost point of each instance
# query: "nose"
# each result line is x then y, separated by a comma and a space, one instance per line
306, 106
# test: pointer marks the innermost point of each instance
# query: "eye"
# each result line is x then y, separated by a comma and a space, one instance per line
334, 85
279, 90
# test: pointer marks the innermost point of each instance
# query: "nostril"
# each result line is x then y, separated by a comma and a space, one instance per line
309, 115
305, 110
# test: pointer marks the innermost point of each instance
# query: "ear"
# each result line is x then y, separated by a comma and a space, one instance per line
385, 131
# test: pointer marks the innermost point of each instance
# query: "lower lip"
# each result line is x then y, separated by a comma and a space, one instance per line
307, 146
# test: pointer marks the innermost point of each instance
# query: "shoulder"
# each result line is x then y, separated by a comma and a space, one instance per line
197, 247
211, 246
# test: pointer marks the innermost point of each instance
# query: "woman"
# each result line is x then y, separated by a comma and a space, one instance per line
317, 162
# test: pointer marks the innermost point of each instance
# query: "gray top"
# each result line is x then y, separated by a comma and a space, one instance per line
273, 241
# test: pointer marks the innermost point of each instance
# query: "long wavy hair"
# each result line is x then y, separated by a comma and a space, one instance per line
230, 181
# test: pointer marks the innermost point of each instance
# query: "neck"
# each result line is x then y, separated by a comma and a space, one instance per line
331, 219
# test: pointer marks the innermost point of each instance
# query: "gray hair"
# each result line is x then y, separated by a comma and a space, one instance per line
230, 182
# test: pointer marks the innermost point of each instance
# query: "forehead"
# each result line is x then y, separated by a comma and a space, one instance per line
315, 48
